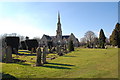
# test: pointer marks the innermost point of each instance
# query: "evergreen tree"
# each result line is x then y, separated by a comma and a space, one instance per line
70, 46
102, 39
117, 28
115, 37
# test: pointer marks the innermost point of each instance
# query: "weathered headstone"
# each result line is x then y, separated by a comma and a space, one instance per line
38, 60
59, 51
3, 49
65, 48
45, 51
3, 52
8, 54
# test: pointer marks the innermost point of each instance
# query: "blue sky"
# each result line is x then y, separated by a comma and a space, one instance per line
34, 19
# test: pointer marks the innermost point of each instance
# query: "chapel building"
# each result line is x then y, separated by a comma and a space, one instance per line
59, 38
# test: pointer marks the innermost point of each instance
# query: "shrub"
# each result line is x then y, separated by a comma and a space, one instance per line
70, 46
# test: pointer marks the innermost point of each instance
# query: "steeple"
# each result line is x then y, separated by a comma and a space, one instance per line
59, 30
58, 17
59, 24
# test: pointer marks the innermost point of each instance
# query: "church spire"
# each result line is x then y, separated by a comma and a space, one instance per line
59, 30
58, 17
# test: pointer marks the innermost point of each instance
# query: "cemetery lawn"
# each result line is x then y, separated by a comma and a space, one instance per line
81, 63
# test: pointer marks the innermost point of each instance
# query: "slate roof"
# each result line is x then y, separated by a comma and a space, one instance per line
77, 39
48, 37
65, 36
54, 37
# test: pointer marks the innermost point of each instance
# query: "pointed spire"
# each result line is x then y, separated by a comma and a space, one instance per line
58, 17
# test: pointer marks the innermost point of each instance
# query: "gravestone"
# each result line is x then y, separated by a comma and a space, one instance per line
38, 60
8, 54
3, 48
45, 51
59, 51
3, 52
65, 48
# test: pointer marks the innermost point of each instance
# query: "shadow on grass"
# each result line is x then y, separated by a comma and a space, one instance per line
8, 77
24, 51
56, 67
68, 56
21, 62
26, 54
60, 64
17, 61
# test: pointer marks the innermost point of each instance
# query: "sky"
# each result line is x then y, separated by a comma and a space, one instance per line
34, 19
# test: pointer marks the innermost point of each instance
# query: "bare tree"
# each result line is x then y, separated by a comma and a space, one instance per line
83, 40
107, 41
90, 37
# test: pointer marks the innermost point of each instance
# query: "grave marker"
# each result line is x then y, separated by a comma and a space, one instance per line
59, 51
45, 51
8, 54
38, 60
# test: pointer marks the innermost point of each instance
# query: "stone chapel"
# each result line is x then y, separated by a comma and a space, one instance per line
59, 38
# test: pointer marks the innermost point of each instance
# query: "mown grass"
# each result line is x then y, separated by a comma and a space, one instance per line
81, 63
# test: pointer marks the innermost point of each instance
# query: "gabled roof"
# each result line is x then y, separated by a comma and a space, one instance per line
77, 39
47, 37
53, 37
65, 36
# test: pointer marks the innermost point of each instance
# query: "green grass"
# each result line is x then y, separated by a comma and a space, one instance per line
81, 63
